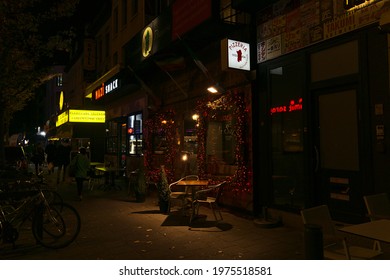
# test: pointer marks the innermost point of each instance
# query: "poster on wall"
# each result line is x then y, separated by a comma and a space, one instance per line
274, 47
312, 22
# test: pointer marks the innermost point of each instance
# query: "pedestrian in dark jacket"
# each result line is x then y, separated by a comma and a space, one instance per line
63, 159
38, 157
50, 151
82, 165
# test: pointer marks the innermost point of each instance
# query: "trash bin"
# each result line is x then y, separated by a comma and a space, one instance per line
313, 242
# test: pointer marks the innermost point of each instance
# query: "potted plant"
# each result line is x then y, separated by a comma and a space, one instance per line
163, 191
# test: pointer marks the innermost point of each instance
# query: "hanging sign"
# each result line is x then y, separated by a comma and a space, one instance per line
235, 55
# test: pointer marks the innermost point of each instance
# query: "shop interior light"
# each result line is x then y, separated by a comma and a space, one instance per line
215, 89
195, 117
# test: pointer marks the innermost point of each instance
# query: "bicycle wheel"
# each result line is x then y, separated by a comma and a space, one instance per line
56, 226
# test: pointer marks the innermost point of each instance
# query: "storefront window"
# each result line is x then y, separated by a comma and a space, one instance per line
135, 135
112, 137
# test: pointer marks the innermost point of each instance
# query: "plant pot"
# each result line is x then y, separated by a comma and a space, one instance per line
164, 206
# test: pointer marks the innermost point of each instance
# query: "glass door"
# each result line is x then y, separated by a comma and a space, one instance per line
287, 134
337, 148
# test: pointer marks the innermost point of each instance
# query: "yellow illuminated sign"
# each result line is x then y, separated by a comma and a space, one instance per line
147, 42
61, 101
87, 116
62, 118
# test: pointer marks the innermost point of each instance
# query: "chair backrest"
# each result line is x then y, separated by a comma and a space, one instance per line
219, 191
188, 177
214, 191
378, 206
319, 215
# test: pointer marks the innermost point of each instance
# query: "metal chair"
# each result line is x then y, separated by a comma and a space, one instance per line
378, 207
180, 194
209, 197
95, 176
335, 244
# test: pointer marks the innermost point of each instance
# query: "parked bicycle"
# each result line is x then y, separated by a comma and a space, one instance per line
54, 224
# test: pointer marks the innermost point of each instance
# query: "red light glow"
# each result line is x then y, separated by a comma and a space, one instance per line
293, 106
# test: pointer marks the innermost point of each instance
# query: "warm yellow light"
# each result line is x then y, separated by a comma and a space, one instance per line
212, 89
195, 117
164, 121
184, 157
62, 118
87, 116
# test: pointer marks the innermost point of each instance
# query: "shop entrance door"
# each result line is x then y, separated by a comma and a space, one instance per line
336, 149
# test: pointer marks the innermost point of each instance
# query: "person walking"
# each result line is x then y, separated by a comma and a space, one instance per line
50, 151
63, 159
38, 157
81, 164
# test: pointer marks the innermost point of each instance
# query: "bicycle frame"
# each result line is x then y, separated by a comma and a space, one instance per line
15, 217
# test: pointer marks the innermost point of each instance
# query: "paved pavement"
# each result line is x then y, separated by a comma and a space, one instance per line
115, 227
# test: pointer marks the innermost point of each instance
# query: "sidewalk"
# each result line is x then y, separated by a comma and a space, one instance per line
115, 227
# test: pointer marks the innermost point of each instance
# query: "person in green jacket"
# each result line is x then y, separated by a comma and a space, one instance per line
82, 165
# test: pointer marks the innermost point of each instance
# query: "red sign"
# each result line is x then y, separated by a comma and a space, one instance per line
293, 106
99, 92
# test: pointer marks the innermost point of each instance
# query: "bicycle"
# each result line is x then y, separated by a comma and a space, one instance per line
54, 224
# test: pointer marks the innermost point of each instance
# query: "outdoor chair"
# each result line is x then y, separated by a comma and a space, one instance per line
208, 197
180, 193
335, 244
378, 207
95, 176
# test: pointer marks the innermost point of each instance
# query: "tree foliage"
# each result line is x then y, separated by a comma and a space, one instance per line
31, 33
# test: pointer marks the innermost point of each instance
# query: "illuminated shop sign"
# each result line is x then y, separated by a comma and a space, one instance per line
147, 42
236, 53
61, 101
62, 118
81, 116
87, 116
111, 86
293, 106
105, 89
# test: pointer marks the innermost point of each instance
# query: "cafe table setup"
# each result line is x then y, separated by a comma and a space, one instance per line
191, 187
378, 230
110, 174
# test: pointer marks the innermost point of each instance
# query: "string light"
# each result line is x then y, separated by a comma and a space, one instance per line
209, 110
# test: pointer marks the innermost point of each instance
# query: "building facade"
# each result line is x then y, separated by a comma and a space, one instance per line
323, 75
299, 114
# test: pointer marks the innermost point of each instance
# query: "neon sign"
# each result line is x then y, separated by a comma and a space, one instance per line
293, 106
147, 41
111, 86
105, 89
99, 92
